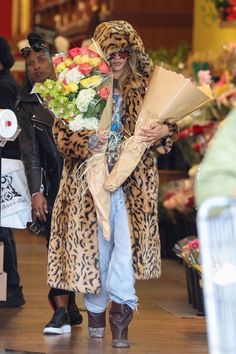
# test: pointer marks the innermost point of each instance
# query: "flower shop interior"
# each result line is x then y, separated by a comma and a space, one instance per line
196, 38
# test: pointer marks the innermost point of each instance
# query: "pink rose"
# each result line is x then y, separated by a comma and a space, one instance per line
204, 77
85, 68
57, 60
194, 244
84, 51
73, 52
72, 66
104, 68
104, 92
93, 54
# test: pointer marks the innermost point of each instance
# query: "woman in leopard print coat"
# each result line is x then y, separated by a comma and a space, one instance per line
77, 259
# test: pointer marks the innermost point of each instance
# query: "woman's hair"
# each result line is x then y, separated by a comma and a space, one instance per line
130, 73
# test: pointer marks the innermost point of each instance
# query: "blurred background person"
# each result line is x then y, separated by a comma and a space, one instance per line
8, 97
217, 171
43, 164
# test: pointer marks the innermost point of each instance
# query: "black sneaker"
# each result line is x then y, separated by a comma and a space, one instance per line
74, 313
59, 324
15, 298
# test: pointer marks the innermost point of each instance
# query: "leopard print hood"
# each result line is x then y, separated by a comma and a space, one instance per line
112, 36
115, 35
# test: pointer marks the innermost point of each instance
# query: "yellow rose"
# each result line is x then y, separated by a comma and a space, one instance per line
94, 61
60, 67
84, 59
72, 86
92, 81
78, 59
66, 90
68, 62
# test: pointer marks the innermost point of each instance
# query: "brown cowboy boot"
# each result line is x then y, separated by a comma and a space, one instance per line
120, 316
96, 324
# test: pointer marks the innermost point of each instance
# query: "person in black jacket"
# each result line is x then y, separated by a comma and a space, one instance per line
8, 96
43, 165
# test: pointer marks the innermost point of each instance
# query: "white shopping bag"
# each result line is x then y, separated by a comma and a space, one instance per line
15, 196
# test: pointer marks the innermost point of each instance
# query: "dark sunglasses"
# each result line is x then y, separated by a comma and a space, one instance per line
37, 47
122, 54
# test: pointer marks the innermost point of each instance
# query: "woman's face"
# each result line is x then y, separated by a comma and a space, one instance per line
40, 66
118, 61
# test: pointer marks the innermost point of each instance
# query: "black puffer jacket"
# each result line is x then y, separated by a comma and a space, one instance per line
42, 161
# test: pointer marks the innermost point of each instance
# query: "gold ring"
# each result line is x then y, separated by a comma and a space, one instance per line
37, 214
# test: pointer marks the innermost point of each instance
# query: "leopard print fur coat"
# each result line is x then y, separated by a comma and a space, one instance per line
73, 251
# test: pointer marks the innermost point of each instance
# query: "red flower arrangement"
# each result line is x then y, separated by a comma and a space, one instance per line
179, 196
193, 141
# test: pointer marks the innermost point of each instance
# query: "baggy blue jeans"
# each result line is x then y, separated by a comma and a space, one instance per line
115, 261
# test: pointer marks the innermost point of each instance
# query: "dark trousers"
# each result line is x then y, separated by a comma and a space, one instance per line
10, 258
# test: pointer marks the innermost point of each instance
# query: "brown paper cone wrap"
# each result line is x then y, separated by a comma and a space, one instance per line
169, 98
96, 175
132, 151
126, 163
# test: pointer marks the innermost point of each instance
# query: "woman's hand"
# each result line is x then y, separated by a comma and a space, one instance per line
39, 206
97, 143
154, 133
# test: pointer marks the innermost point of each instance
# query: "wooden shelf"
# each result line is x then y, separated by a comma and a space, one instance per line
73, 30
67, 18
50, 4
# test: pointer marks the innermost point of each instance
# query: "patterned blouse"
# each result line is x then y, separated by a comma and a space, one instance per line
112, 152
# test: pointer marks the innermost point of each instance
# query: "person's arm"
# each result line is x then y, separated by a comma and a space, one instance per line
72, 145
29, 149
164, 145
8, 97
30, 157
160, 136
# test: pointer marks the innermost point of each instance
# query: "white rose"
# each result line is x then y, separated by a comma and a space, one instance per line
79, 123
91, 123
84, 98
73, 75
62, 75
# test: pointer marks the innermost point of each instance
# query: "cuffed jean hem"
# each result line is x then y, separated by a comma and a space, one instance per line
115, 261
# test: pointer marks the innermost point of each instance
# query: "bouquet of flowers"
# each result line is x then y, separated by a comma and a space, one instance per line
82, 97
80, 93
189, 250
170, 97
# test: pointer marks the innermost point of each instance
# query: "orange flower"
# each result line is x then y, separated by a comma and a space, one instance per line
104, 92
103, 68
